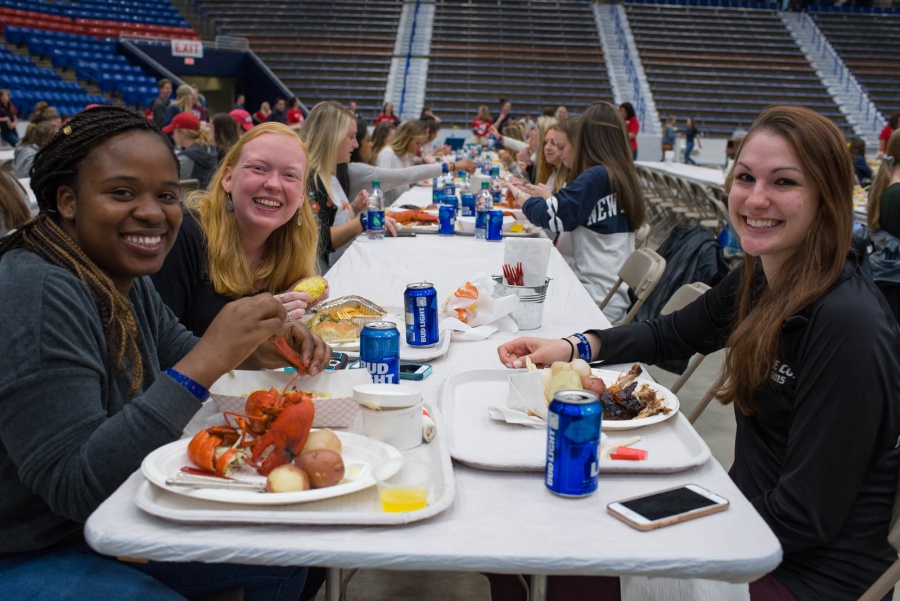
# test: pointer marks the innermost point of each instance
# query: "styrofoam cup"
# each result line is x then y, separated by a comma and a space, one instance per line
400, 428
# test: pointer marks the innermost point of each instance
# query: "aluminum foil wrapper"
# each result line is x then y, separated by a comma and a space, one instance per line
362, 309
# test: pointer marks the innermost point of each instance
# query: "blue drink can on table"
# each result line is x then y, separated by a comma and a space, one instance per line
447, 218
468, 205
495, 225
379, 351
420, 306
574, 418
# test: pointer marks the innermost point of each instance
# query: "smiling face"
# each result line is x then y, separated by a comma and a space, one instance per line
772, 203
123, 210
565, 149
266, 184
347, 144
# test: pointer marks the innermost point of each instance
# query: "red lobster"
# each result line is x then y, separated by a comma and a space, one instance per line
278, 422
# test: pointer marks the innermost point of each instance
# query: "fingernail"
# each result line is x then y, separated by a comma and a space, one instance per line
509, 365
517, 363
313, 370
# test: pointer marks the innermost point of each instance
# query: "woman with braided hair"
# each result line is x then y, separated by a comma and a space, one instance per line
98, 371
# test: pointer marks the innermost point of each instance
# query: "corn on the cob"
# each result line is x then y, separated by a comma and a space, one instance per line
313, 286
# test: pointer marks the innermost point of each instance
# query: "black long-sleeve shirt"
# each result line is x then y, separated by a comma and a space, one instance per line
819, 459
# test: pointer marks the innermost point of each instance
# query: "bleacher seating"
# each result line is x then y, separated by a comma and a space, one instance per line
536, 54
867, 43
340, 50
722, 66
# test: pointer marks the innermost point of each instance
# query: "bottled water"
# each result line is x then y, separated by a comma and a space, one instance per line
483, 205
463, 186
496, 185
375, 213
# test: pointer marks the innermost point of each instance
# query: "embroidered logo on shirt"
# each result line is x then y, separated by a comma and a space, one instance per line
606, 207
781, 372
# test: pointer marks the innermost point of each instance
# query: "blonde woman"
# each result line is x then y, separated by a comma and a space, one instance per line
481, 124
183, 103
196, 154
251, 232
404, 151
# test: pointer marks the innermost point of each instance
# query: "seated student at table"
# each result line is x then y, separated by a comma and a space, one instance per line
601, 207
404, 151
194, 148
382, 136
432, 129
818, 416
359, 173
481, 124
250, 232
14, 211
527, 159
35, 138
329, 134
98, 372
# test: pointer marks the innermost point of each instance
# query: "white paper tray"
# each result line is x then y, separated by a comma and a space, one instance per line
362, 507
477, 440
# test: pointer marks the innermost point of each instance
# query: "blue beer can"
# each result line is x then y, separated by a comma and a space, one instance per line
447, 218
495, 225
573, 441
468, 205
420, 305
449, 199
379, 351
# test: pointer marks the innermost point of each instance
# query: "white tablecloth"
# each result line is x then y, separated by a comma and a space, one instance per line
701, 175
503, 522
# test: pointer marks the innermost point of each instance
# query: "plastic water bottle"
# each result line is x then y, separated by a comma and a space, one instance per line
375, 213
483, 205
463, 186
491, 141
449, 186
437, 189
496, 185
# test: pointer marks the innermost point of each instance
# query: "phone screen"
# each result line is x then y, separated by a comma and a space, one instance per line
409, 368
668, 503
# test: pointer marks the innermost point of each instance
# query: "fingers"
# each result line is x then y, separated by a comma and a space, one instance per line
295, 304
391, 224
312, 350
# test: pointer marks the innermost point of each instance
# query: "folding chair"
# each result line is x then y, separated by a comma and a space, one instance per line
891, 576
642, 271
682, 297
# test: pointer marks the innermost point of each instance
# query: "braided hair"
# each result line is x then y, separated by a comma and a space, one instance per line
54, 166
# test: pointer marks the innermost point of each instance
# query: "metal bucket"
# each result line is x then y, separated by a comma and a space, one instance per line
530, 310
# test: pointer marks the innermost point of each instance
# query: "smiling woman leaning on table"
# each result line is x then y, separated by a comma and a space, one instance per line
86, 339
816, 406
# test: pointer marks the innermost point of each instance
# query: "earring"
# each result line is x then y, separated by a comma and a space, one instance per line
299, 217
229, 205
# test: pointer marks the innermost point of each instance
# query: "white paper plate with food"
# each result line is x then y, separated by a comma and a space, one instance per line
360, 454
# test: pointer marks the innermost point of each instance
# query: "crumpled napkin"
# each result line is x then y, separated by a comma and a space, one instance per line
472, 314
525, 404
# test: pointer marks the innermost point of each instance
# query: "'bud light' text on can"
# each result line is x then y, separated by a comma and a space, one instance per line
379, 351
495, 225
420, 304
447, 218
573, 441
468, 205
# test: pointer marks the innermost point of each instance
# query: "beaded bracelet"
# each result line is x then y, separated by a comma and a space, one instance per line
584, 347
572, 346
195, 388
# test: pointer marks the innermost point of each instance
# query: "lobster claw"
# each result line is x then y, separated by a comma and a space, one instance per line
287, 436
291, 355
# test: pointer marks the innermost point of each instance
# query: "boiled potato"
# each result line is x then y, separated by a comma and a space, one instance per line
287, 478
324, 467
563, 380
322, 439
558, 366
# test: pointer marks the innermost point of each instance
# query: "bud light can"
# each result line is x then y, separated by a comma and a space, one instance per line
447, 218
573, 443
379, 351
450, 199
468, 205
495, 225
420, 304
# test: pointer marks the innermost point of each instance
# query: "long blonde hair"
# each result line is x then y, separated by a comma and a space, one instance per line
321, 133
290, 252
755, 342
184, 98
542, 169
406, 132
882, 181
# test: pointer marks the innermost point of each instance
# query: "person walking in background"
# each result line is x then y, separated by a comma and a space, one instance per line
632, 126
160, 104
691, 136
670, 136
8, 119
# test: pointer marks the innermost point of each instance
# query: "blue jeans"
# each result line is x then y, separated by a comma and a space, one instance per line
79, 573
11, 136
688, 147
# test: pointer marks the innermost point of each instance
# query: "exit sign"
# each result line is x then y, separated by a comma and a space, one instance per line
188, 48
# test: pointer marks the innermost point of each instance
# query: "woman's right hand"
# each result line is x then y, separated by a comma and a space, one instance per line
239, 328
542, 352
466, 165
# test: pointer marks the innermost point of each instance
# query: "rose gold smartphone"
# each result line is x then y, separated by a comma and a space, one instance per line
667, 507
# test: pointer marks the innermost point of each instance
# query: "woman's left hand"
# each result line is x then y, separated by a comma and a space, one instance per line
390, 224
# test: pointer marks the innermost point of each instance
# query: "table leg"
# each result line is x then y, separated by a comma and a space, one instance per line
537, 591
333, 588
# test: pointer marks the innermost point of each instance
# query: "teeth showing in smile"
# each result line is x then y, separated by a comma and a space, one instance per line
148, 241
761, 223
266, 202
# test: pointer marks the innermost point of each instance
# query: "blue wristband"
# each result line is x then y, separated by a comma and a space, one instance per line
364, 220
195, 388
584, 347
445, 167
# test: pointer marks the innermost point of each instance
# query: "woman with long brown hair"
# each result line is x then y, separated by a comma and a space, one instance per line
601, 207
812, 358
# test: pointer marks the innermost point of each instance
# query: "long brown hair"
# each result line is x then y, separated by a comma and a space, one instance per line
882, 181
755, 343
14, 211
603, 140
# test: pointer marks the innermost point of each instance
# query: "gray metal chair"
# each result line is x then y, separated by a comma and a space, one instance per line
891, 576
642, 271
683, 297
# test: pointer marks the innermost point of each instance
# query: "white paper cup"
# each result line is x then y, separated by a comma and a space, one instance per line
400, 428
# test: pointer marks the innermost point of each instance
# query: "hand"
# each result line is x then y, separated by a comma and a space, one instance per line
524, 158
517, 192
492, 131
360, 203
542, 352
442, 150
539, 190
466, 165
313, 351
239, 328
505, 158
390, 224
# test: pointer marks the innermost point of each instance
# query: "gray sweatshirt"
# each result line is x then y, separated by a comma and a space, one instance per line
69, 434
362, 175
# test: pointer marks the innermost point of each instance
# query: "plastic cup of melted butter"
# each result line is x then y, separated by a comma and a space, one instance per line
403, 484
